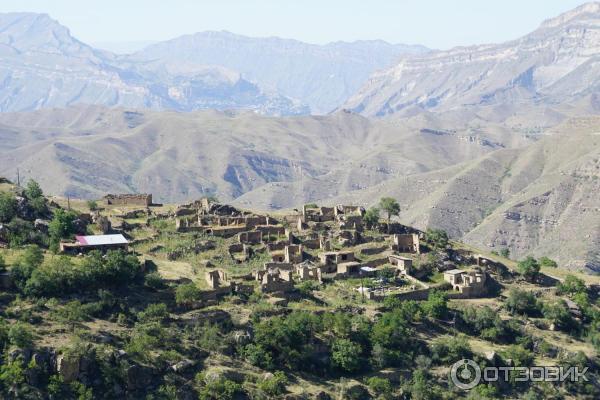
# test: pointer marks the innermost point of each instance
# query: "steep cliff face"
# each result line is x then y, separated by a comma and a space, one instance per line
558, 62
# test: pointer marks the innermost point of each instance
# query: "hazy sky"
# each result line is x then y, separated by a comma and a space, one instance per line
434, 23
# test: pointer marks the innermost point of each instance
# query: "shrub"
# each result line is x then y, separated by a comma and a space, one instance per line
92, 205
2, 264
446, 351
346, 355
217, 388
20, 335
154, 313
571, 285
60, 276
529, 268
558, 313
273, 385
8, 207
371, 217
547, 262
521, 302
438, 238
186, 295
505, 253
28, 262
381, 387
154, 280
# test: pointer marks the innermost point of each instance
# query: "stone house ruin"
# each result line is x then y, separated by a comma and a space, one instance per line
319, 214
217, 278
349, 268
402, 264
275, 280
129, 199
293, 254
336, 257
406, 243
250, 237
470, 283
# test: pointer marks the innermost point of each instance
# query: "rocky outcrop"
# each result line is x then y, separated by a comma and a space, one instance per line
555, 63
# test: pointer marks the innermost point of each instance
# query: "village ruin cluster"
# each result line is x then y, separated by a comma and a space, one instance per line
317, 243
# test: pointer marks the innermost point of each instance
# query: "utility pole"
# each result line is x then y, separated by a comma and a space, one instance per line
68, 203
18, 177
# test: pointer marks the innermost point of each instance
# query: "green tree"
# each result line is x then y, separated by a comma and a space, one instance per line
437, 237
28, 262
505, 252
529, 268
391, 339
8, 207
33, 190
371, 217
346, 355
2, 264
391, 208
436, 305
61, 226
521, 302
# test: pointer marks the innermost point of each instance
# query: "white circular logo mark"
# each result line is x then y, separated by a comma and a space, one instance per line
465, 374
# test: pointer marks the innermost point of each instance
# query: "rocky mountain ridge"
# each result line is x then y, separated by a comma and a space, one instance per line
555, 64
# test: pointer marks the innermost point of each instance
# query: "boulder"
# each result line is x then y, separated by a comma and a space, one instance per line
138, 377
68, 367
41, 225
182, 365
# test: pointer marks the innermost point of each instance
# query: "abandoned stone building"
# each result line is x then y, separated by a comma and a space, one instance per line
293, 254
349, 210
217, 278
468, 282
308, 271
406, 243
275, 280
336, 257
402, 264
129, 199
349, 268
319, 214
250, 237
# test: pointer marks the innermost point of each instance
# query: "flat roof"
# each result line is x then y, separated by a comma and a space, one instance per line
454, 271
101, 240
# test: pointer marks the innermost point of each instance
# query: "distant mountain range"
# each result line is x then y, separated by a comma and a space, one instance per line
497, 144
557, 63
42, 65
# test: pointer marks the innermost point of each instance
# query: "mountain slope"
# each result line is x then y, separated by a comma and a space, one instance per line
42, 65
86, 151
540, 199
321, 76
557, 63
